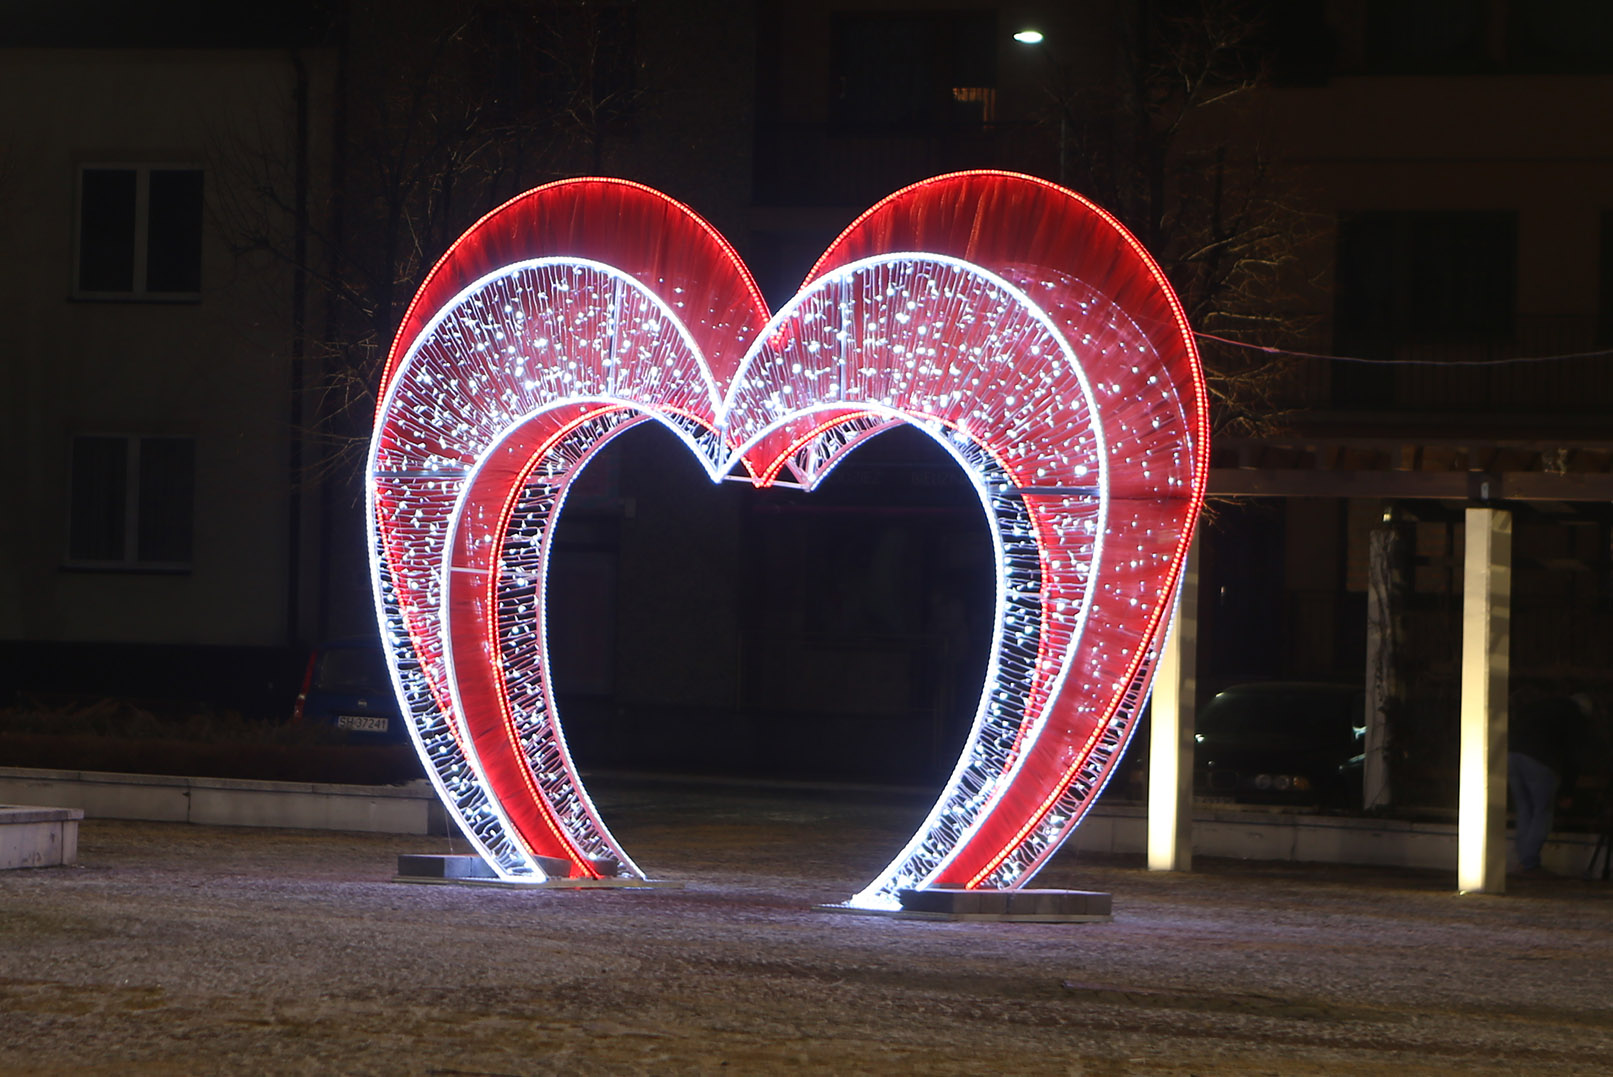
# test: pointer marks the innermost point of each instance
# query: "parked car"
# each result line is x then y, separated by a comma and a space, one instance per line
347, 688
1282, 742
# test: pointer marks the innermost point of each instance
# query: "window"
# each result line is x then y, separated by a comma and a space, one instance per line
1437, 275
1429, 37
1437, 283
1604, 306
132, 502
915, 71
565, 62
139, 232
1560, 36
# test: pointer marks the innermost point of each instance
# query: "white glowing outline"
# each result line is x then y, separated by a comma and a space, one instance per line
718, 468
528, 869
880, 894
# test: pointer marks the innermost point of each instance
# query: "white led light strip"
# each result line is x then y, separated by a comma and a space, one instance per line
508, 390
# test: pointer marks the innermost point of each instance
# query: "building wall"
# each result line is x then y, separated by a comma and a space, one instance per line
1521, 144
214, 369
742, 115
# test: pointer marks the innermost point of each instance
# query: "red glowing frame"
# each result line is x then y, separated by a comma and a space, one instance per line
1013, 321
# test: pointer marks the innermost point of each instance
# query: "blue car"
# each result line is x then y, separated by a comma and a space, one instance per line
347, 688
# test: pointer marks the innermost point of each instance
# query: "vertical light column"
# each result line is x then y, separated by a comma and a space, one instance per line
1486, 636
1170, 738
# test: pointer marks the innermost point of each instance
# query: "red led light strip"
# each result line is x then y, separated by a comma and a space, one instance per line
1090, 296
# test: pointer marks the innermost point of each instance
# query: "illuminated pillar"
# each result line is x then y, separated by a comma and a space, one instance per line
1486, 634
1170, 744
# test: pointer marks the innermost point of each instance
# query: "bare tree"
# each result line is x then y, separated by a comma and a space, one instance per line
441, 110
1163, 141
416, 118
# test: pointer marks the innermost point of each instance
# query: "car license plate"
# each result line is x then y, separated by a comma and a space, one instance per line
362, 723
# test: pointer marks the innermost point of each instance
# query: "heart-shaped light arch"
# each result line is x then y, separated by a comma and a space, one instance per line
1017, 324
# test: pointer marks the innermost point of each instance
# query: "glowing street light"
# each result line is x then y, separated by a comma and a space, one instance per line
1032, 36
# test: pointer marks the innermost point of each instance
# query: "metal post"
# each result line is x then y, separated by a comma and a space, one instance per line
1170, 741
1486, 637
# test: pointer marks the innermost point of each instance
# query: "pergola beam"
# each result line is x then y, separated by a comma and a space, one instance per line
1428, 485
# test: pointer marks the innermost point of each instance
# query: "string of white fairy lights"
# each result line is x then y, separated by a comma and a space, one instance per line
1003, 389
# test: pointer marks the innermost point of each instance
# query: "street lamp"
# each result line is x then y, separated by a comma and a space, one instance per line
1032, 37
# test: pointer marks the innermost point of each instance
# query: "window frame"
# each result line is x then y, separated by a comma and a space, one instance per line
138, 292
944, 86
130, 560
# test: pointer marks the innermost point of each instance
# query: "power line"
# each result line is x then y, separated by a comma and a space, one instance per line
1602, 353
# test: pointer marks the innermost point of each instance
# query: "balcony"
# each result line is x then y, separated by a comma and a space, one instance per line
1448, 380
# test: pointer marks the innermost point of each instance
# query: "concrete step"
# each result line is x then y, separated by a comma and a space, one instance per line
38, 837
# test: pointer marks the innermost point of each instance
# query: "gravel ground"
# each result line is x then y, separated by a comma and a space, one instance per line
181, 949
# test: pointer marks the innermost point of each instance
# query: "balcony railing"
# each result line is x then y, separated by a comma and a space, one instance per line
1520, 376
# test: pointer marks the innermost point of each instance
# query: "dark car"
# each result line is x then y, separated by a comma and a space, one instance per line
1282, 742
347, 688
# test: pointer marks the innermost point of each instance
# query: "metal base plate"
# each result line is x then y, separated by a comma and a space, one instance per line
1024, 906
463, 869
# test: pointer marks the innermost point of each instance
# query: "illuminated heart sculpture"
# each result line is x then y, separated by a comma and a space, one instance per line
1013, 321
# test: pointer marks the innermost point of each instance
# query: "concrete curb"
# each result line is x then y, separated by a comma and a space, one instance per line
383, 809
414, 809
1322, 839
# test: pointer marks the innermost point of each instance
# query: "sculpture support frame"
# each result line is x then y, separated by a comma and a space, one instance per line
1011, 320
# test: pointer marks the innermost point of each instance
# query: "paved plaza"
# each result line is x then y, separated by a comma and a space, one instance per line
184, 949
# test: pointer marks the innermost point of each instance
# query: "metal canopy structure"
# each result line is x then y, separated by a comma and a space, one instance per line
1440, 469
1477, 472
